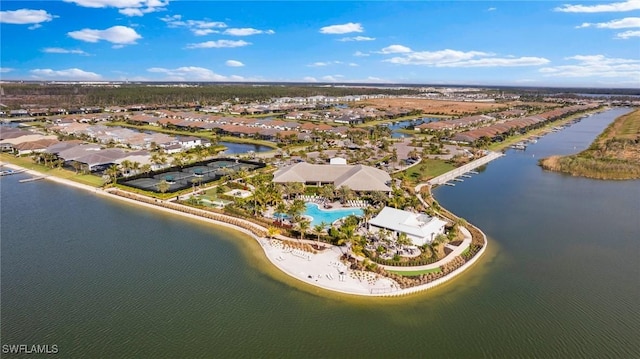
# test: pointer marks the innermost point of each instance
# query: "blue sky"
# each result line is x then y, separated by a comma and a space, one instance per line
588, 43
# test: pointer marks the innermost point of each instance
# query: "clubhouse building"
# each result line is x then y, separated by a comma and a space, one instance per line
419, 228
359, 178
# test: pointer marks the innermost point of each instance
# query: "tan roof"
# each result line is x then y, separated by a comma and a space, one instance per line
356, 177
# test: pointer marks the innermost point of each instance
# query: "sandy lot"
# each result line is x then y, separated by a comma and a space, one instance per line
455, 108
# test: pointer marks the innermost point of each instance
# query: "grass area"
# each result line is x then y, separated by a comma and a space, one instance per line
408, 132
27, 162
625, 127
415, 272
614, 155
427, 168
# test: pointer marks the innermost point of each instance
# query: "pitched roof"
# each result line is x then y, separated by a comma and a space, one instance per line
356, 177
414, 224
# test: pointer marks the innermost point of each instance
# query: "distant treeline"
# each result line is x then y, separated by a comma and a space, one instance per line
204, 95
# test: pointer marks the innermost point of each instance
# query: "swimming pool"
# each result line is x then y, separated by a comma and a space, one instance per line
319, 215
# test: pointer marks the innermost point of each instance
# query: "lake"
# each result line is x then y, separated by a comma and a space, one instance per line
103, 279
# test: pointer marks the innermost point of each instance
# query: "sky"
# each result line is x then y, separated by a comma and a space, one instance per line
586, 43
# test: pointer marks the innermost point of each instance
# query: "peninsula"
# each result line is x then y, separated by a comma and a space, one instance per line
614, 155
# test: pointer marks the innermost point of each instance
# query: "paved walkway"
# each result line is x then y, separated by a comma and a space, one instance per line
456, 252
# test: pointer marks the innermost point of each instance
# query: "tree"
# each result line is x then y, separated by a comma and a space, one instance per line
303, 226
273, 231
163, 186
296, 209
345, 193
403, 239
126, 166
317, 230
145, 168
113, 172
328, 191
437, 245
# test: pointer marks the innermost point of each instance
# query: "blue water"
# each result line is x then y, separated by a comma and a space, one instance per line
318, 215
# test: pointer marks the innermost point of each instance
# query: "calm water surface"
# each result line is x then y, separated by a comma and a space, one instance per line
102, 279
236, 148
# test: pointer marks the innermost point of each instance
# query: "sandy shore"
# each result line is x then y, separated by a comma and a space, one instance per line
323, 270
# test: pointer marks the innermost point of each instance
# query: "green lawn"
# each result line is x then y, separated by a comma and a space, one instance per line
416, 272
27, 162
427, 168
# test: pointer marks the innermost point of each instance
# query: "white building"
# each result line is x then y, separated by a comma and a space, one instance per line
419, 228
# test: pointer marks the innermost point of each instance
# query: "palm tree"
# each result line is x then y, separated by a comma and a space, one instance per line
281, 208
135, 166
303, 226
145, 168
367, 213
317, 230
126, 166
437, 245
163, 186
345, 193
403, 239
296, 209
113, 172
328, 191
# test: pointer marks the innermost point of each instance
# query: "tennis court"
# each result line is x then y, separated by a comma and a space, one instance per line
201, 173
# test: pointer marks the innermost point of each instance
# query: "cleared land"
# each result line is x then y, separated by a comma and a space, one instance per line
437, 107
614, 155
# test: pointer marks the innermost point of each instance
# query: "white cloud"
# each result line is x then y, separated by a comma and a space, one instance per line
310, 79
395, 49
332, 78
203, 32
218, 44
628, 22
499, 62
360, 54
25, 16
342, 29
192, 73
353, 64
628, 34
357, 38
374, 79
246, 31
455, 58
59, 50
5, 69
628, 5
68, 74
491, 9
595, 66
234, 63
198, 27
119, 35
325, 63
125, 7
319, 64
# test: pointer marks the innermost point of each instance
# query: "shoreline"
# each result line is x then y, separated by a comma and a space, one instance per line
321, 270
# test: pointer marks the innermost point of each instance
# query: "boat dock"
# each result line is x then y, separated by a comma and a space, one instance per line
32, 179
463, 170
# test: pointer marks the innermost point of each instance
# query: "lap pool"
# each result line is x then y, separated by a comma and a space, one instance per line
319, 215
